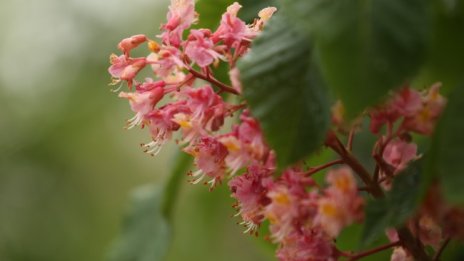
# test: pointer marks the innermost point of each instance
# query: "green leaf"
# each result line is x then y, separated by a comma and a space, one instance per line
285, 92
146, 233
447, 160
366, 47
445, 60
398, 205
182, 163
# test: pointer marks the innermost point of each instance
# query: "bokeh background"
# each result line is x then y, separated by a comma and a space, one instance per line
67, 166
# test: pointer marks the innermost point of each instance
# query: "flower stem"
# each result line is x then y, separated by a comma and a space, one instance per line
353, 257
313, 170
334, 143
412, 244
211, 80
349, 145
440, 250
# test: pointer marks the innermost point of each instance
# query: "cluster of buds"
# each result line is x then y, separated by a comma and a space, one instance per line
184, 96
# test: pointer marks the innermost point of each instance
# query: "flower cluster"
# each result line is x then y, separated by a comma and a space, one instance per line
305, 217
196, 110
418, 111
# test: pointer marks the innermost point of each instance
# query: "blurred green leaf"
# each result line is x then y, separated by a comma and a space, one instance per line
445, 60
396, 206
285, 92
366, 47
182, 163
446, 160
146, 233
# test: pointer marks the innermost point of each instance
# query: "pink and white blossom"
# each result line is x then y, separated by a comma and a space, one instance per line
199, 48
398, 153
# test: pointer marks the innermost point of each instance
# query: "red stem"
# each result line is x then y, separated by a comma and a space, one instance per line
313, 170
211, 80
440, 250
412, 244
334, 143
349, 145
372, 251
186, 80
236, 108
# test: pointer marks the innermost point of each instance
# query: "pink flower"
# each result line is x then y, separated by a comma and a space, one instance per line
130, 43
232, 29
392, 235
435, 101
309, 244
282, 212
419, 111
161, 125
123, 68
424, 120
264, 16
407, 102
149, 85
199, 48
399, 153
341, 205
209, 157
245, 144
166, 63
234, 75
206, 112
250, 191
142, 103
292, 206
401, 254
181, 16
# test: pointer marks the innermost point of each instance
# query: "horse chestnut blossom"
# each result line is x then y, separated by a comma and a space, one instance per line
305, 217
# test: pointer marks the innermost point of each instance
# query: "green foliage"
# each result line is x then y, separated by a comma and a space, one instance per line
146, 232
205, 229
182, 163
445, 61
447, 163
398, 205
366, 47
285, 92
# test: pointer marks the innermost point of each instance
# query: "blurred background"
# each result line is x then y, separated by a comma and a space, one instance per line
67, 166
